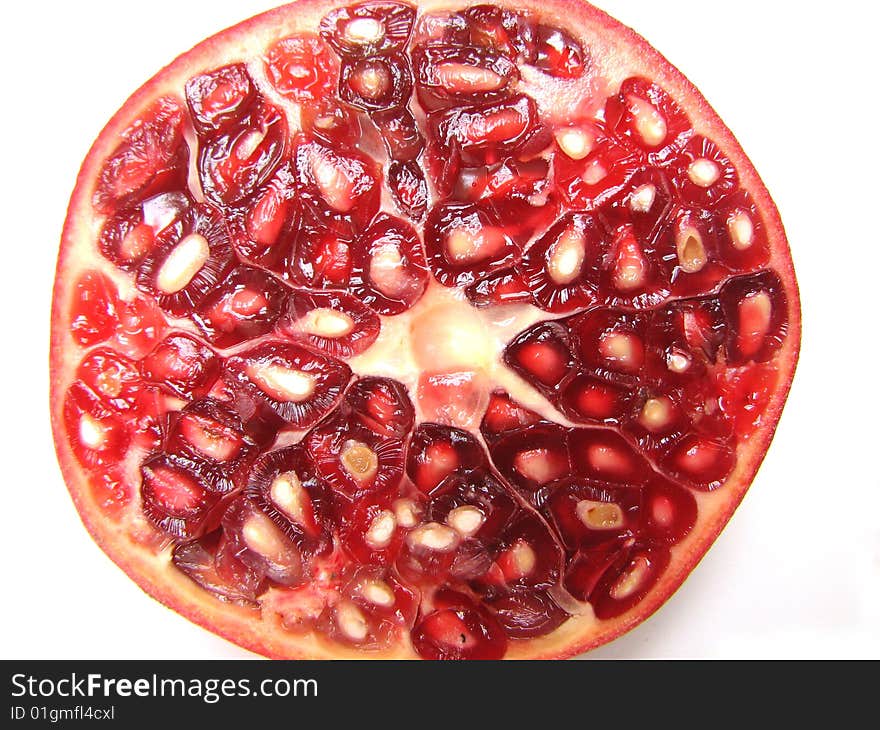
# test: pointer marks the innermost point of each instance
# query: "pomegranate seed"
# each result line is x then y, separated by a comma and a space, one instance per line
464, 243
559, 269
300, 67
503, 30
323, 253
409, 189
181, 365
449, 75
558, 54
188, 262
177, 496
542, 355
331, 123
151, 158
208, 431
622, 588
376, 84
401, 136
261, 544
235, 163
382, 405
343, 186
525, 613
130, 235
299, 385
369, 28
208, 561
97, 434
336, 323
244, 307
92, 316
703, 175
389, 274
645, 115
283, 484
757, 314
485, 134
503, 415
354, 460
459, 630
222, 99
436, 451
531, 458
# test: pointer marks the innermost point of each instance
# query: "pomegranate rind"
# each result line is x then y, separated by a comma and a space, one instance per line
617, 52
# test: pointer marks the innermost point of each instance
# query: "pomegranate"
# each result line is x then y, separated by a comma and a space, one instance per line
392, 332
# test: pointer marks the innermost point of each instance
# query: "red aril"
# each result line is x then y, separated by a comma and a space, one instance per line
453, 334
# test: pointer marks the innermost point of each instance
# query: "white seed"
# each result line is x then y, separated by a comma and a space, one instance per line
433, 536
407, 512
522, 559
566, 256
381, 530
359, 460
620, 348
656, 413
265, 538
288, 495
364, 31
535, 465
465, 245
574, 142
703, 172
351, 621
741, 230
372, 81
599, 515
462, 78
92, 433
630, 269
465, 520
326, 322
377, 592
630, 581
607, 459
594, 173
677, 361
282, 383
649, 123
690, 249
183, 263
387, 271
249, 144
642, 198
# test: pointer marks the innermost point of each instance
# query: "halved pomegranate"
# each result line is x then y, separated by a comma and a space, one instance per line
453, 334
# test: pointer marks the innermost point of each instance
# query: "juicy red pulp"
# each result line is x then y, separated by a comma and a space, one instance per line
229, 382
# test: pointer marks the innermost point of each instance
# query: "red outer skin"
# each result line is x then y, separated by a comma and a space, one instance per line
243, 626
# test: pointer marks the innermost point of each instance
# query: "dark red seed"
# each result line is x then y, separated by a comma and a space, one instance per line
221, 99
369, 28
245, 306
151, 158
409, 189
389, 273
335, 322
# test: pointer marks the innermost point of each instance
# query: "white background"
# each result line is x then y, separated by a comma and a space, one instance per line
797, 571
